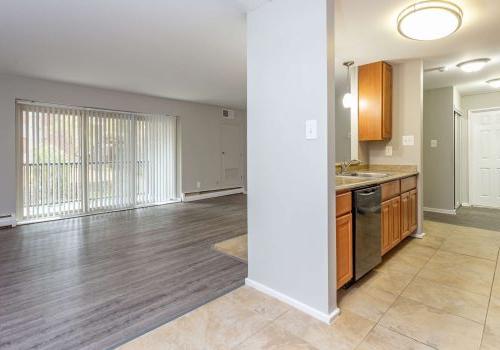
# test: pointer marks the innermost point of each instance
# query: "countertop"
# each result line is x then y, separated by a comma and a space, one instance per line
348, 183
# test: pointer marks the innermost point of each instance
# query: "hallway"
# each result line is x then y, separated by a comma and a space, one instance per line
483, 218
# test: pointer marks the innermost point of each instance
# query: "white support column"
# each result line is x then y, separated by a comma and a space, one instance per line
291, 182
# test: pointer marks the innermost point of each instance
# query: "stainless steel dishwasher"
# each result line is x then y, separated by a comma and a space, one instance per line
367, 234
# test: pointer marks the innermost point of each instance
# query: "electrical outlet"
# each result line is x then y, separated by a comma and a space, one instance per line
434, 143
408, 140
388, 151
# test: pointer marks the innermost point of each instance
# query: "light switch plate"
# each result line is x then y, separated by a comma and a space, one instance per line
434, 143
311, 129
408, 140
388, 151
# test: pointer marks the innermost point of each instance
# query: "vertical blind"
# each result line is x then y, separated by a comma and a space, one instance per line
75, 161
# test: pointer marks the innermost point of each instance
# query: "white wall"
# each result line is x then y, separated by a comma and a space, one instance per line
200, 128
407, 119
457, 100
480, 101
291, 182
342, 128
359, 150
439, 162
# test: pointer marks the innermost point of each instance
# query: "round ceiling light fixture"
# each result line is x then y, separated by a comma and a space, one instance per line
430, 20
494, 83
473, 65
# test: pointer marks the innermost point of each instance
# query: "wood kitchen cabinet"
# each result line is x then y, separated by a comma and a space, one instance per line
405, 217
408, 210
398, 220
398, 211
375, 102
413, 211
391, 224
344, 250
345, 268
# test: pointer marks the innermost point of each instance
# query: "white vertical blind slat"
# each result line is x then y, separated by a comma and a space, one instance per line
74, 161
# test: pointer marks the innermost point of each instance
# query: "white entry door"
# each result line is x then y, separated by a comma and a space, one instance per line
485, 158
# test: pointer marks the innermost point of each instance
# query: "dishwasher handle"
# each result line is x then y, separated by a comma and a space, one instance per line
366, 194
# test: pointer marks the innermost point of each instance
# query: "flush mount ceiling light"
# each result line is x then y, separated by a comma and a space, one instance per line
494, 83
429, 20
473, 65
347, 99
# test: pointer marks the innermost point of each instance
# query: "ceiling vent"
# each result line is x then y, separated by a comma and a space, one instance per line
227, 113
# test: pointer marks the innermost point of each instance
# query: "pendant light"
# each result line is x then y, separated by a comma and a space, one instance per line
430, 20
347, 99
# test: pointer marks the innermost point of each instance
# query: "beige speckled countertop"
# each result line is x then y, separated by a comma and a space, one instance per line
394, 172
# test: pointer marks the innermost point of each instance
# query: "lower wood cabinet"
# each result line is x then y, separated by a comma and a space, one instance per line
399, 220
391, 224
405, 217
399, 211
413, 211
344, 250
408, 213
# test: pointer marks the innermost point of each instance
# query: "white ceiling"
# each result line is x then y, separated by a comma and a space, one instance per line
185, 49
366, 32
195, 49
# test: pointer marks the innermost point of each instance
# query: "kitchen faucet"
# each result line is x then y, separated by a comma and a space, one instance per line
344, 165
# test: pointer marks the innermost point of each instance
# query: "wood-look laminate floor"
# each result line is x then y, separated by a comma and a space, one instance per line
483, 218
98, 281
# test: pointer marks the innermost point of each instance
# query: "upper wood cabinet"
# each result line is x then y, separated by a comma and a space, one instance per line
375, 102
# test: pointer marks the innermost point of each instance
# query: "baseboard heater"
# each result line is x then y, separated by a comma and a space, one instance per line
196, 196
8, 220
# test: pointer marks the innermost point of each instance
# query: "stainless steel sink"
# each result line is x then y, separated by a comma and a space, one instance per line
364, 174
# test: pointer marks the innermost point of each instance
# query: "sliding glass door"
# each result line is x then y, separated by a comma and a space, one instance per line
74, 161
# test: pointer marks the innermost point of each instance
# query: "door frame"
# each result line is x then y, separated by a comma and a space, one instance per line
456, 115
469, 147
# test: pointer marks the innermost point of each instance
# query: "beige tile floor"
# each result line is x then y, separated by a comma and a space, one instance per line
441, 292
235, 247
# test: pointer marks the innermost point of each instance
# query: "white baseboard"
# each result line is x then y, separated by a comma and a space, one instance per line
441, 211
8, 221
418, 235
326, 318
466, 205
186, 197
